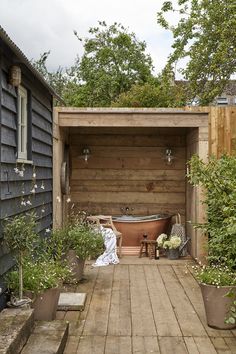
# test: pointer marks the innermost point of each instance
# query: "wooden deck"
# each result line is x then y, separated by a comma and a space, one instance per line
143, 306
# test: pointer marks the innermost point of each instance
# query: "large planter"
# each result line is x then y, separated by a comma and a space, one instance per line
76, 264
173, 253
45, 304
217, 305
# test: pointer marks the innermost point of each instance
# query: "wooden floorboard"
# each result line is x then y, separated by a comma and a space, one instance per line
188, 319
143, 306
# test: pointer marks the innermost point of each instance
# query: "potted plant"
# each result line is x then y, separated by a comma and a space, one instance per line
20, 236
172, 246
86, 242
42, 278
75, 242
218, 178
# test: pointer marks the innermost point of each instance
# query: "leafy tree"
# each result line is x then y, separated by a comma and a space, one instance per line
58, 80
150, 95
112, 62
205, 35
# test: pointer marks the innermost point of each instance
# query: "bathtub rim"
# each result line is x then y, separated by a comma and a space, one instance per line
161, 217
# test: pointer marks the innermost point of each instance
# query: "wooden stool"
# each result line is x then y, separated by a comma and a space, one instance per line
148, 247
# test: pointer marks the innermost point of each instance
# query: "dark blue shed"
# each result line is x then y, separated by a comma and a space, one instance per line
26, 123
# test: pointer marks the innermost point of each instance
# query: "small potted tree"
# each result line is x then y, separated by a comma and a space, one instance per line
86, 242
20, 236
75, 242
218, 278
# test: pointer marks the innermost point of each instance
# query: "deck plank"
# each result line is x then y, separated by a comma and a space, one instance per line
193, 292
97, 318
91, 345
141, 311
120, 310
118, 345
145, 345
231, 342
221, 345
143, 306
205, 345
187, 317
164, 316
175, 345
191, 345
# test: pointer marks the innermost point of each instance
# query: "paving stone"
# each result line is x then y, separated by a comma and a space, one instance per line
71, 301
47, 338
15, 327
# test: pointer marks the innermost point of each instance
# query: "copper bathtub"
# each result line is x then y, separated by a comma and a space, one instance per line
134, 227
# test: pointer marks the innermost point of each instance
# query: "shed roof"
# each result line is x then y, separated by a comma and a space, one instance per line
18, 52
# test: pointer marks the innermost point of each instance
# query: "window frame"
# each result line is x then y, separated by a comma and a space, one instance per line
22, 123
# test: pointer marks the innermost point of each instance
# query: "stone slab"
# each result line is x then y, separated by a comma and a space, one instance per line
15, 327
71, 301
47, 338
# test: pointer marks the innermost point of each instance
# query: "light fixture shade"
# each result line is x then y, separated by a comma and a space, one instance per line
15, 75
86, 153
169, 157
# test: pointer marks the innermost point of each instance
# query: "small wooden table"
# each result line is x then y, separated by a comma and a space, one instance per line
148, 247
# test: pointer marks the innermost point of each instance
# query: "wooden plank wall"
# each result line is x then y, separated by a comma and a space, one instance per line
222, 131
41, 143
127, 169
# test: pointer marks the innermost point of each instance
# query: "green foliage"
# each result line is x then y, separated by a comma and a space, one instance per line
85, 240
152, 95
19, 233
60, 80
218, 177
205, 36
215, 275
38, 275
231, 318
112, 62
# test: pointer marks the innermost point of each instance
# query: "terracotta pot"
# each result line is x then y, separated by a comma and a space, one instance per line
76, 264
217, 305
45, 304
173, 253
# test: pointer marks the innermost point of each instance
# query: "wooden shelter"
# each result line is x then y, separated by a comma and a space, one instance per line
127, 167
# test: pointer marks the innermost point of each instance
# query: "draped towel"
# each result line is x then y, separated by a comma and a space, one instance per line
109, 256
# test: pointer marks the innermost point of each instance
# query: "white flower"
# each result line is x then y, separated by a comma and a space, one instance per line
35, 186
58, 199
16, 170
42, 186
43, 210
23, 203
48, 230
68, 200
28, 202
21, 173
34, 175
32, 191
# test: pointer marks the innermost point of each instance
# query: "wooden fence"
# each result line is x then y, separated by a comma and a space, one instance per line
222, 130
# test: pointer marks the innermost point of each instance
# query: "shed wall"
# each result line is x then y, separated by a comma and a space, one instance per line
127, 169
40, 146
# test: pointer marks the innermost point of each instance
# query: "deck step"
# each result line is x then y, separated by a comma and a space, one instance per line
15, 327
47, 338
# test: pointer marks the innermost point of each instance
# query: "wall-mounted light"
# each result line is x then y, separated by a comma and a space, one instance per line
15, 75
86, 153
169, 157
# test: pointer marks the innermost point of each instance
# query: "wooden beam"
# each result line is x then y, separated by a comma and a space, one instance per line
177, 119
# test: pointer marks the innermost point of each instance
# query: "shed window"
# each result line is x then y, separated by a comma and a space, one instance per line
222, 101
22, 123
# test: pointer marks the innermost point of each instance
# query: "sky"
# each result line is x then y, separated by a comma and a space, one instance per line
38, 26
